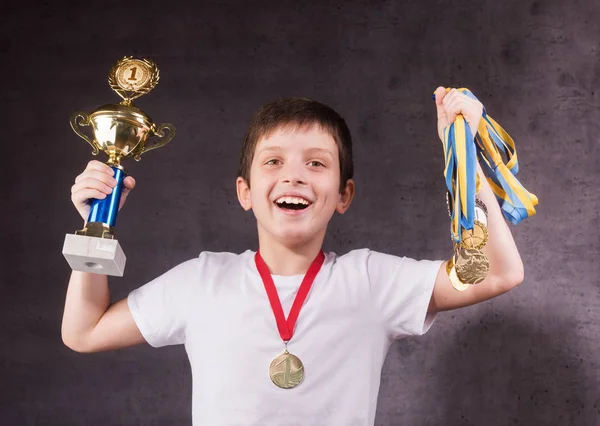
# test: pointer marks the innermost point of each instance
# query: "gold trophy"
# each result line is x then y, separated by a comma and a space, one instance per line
120, 131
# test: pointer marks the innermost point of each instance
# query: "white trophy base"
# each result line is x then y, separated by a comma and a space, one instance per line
95, 255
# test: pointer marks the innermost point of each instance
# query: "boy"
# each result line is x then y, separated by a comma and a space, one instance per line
321, 365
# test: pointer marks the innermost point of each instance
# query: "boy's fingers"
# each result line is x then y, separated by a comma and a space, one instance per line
97, 175
82, 196
89, 183
100, 166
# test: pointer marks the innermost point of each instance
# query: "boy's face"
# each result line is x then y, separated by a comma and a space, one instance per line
294, 186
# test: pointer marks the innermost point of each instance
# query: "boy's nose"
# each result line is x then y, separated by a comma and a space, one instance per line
293, 174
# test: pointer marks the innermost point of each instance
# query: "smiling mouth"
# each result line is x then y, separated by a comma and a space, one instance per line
291, 206
292, 203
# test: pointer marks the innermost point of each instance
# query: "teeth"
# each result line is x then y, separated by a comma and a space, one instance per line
292, 200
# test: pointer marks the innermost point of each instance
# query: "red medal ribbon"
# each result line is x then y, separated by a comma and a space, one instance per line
286, 327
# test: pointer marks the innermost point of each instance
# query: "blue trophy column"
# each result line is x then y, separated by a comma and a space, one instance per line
105, 211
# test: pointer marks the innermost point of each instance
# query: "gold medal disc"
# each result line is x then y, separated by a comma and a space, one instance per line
131, 78
286, 371
472, 265
133, 75
475, 238
454, 280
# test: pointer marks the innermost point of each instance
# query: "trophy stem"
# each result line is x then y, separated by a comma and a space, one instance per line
114, 159
103, 213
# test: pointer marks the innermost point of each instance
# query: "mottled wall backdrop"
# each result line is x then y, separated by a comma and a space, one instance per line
530, 357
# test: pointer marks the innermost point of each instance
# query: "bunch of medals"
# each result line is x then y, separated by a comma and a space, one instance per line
469, 265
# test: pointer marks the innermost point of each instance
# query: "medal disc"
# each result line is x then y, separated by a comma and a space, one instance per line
286, 371
472, 265
475, 238
131, 78
454, 280
133, 75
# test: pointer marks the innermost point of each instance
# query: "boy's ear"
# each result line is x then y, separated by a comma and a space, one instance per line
346, 197
243, 193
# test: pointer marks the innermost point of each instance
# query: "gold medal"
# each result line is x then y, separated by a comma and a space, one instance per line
475, 238
132, 78
471, 265
133, 74
286, 371
454, 280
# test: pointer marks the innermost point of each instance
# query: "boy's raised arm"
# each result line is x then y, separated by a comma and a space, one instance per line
506, 267
90, 323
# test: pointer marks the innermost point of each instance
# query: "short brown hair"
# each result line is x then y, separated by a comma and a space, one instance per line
298, 113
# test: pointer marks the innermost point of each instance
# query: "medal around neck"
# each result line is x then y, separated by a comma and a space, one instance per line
286, 371
120, 131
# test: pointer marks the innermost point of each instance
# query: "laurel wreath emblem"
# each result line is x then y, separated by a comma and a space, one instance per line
129, 95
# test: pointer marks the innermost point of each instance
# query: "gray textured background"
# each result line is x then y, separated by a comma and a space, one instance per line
530, 357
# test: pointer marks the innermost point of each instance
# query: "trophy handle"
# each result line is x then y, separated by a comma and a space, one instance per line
85, 121
163, 139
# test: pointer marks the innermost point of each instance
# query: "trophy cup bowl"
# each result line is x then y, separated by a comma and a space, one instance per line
120, 131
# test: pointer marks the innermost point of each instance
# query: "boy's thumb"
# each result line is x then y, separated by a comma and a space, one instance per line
129, 183
442, 117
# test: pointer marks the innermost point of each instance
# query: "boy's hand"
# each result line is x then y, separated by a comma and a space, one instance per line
450, 104
96, 181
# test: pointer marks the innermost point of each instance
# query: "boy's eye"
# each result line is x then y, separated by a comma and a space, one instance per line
272, 162
316, 163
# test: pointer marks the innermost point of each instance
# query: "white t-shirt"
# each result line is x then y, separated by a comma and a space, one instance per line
217, 306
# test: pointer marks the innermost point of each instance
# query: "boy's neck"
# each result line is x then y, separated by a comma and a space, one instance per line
286, 260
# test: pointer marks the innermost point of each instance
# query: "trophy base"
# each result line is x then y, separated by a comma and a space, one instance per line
93, 254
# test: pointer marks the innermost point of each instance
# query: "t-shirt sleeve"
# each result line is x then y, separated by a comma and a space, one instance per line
161, 307
401, 288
